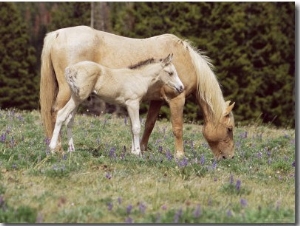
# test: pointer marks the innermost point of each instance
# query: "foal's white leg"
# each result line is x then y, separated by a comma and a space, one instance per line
133, 111
69, 123
62, 115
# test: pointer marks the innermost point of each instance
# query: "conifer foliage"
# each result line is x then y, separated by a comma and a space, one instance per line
18, 78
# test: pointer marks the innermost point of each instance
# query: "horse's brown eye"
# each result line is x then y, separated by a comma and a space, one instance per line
229, 129
171, 73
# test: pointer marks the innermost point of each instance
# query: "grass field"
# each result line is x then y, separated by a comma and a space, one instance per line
101, 182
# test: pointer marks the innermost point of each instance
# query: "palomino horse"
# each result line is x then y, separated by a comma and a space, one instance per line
70, 45
118, 86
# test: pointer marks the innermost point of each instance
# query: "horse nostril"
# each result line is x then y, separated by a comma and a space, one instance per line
232, 157
224, 157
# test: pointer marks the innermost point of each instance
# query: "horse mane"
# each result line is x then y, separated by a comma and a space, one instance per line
142, 63
208, 87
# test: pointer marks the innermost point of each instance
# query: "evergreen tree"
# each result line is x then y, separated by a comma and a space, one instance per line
68, 14
18, 78
251, 45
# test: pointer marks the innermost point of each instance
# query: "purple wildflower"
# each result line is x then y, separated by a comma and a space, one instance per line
128, 209
294, 164
177, 215
214, 164
243, 202
169, 155
142, 208
110, 206
238, 185
197, 211
108, 175
229, 213
160, 149
183, 163
112, 153
129, 220
202, 160
125, 120
3, 137
259, 155
164, 207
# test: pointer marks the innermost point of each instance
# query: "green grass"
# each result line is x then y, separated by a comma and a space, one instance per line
101, 182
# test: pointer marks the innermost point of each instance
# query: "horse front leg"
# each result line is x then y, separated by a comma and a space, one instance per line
133, 112
176, 108
153, 112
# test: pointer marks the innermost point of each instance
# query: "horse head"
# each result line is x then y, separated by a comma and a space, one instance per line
219, 135
169, 74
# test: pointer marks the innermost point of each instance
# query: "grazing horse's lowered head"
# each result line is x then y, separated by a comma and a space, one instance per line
220, 135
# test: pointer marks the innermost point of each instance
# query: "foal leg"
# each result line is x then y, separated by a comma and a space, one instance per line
69, 123
133, 111
62, 115
176, 109
150, 122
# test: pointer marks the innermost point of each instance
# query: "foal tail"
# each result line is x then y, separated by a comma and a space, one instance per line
48, 85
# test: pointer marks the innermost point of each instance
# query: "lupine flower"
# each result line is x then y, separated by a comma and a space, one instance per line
110, 206
128, 209
169, 155
125, 120
229, 213
202, 160
164, 207
142, 207
183, 162
3, 137
112, 152
129, 220
160, 149
243, 202
177, 215
214, 164
108, 175
197, 211
238, 185
294, 164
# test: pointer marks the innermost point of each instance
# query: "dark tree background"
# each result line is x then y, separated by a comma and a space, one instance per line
251, 44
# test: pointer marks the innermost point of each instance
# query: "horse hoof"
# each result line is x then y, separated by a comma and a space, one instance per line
179, 155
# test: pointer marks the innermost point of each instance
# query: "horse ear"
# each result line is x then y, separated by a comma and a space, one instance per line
228, 108
168, 59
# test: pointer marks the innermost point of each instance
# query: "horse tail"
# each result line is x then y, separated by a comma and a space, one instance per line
208, 87
48, 85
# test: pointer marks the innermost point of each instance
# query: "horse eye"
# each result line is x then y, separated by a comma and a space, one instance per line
171, 73
229, 129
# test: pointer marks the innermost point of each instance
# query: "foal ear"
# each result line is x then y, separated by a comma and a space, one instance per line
168, 59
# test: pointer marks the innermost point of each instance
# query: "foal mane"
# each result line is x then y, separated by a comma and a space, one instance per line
142, 63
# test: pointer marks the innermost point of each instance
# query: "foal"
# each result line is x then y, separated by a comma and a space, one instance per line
126, 87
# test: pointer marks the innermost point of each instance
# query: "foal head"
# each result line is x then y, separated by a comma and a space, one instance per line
168, 75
